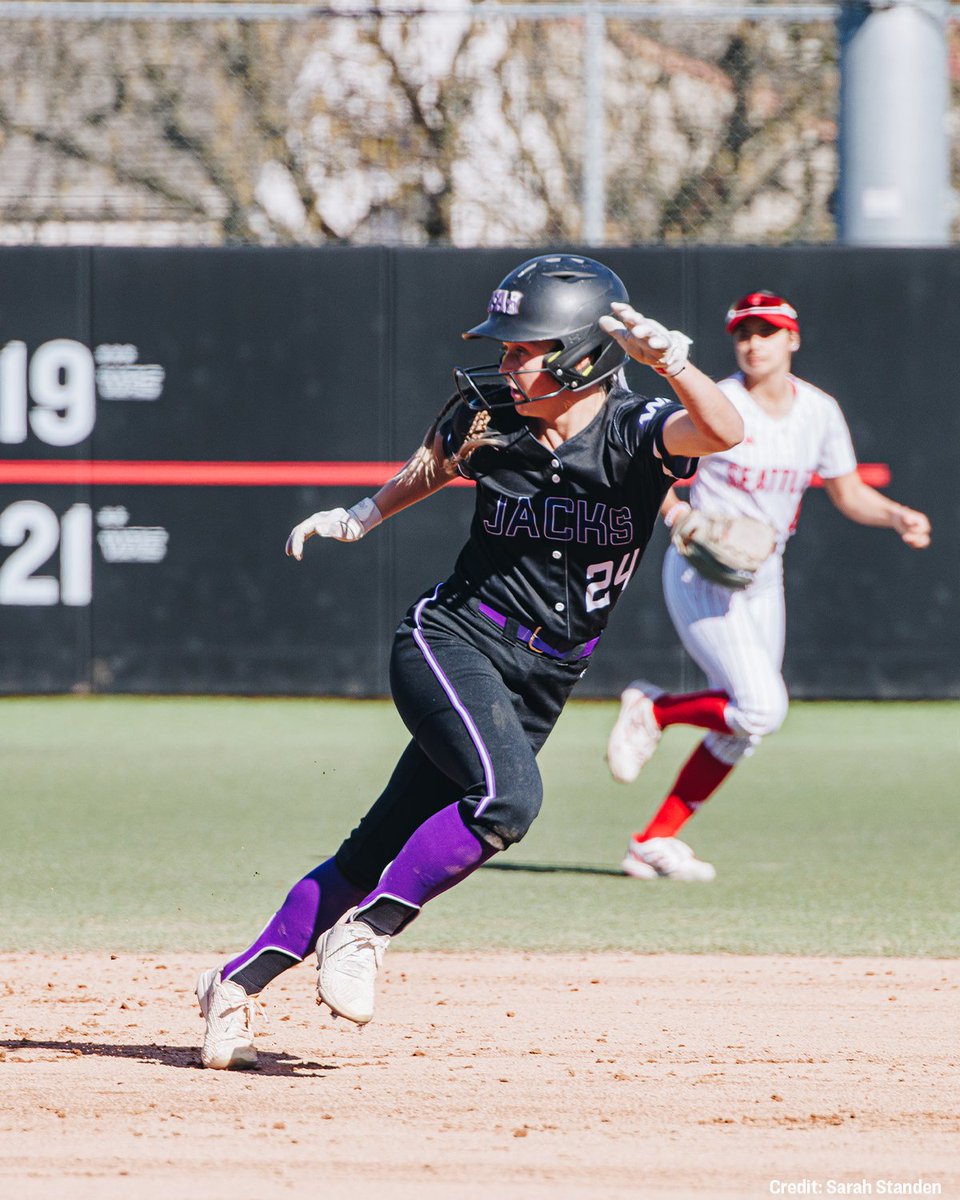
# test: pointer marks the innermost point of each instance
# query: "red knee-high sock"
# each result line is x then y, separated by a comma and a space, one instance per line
704, 709
699, 778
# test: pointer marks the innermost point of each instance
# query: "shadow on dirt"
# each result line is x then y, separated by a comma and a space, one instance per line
169, 1056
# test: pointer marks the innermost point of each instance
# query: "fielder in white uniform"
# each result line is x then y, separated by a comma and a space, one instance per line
792, 432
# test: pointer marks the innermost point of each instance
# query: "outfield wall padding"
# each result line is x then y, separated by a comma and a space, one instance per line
166, 416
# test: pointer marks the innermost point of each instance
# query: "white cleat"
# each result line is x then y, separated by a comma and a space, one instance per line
636, 733
666, 858
349, 957
228, 1011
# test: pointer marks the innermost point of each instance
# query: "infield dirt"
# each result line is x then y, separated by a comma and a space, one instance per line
510, 1075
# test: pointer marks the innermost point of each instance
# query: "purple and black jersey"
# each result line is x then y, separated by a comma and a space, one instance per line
557, 534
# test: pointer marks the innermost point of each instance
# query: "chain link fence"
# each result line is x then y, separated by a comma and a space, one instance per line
439, 123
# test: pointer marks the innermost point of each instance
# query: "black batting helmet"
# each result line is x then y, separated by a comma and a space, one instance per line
558, 298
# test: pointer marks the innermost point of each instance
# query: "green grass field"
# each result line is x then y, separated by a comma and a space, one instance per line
162, 824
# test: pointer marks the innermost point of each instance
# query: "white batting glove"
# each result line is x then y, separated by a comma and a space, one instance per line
647, 341
344, 524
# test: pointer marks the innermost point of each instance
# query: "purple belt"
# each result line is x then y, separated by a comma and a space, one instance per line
531, 637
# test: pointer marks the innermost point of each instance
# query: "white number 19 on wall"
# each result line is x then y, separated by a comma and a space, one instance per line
60, 379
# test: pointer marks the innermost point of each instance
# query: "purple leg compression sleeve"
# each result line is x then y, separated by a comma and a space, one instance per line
311, 906
438, 855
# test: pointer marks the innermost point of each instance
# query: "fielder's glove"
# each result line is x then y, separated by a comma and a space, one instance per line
647, 341
344, 524
725, 550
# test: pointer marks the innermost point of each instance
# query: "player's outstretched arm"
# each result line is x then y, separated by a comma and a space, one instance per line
865, 505
425, 472
711, 423
416, 480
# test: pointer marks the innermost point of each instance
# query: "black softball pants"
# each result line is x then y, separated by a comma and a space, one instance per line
478, 706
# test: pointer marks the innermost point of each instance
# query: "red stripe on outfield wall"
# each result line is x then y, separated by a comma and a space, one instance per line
876, 474
247, 474
202, 474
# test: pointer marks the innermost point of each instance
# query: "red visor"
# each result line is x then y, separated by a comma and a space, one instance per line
773, 309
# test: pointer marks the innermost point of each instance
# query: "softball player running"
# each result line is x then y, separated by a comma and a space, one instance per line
570, 471
791, 431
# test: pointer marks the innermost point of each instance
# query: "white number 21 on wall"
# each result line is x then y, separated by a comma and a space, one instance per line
36, 531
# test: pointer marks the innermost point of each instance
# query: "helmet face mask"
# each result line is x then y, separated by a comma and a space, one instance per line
487, 386
556, 298
477, 386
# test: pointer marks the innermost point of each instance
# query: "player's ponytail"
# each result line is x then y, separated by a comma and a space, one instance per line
433, 454
477, 435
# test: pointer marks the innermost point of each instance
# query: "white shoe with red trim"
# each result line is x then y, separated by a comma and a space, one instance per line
636, 733
666, 858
